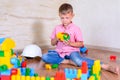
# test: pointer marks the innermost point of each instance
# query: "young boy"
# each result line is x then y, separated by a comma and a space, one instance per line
69, 49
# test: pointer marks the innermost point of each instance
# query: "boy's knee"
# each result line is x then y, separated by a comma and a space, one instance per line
44, 57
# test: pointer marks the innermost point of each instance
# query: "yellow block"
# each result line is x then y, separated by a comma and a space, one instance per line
22, 77
37, 78
7, 53
13, 77
79, 73
60, 36
18, 77
42, 78
48, 66
92, 78
7, 44
27, 78
52, 78
32, 78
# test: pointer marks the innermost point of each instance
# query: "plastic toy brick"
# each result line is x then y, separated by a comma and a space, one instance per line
32, 78
47, 78
1, 40
112, 58
60, 76
22, 77
7, 72
84, 67
37, 78
84, 77
18, 77
84, 50
1, 53
54, 66
52, 78
42, 78
35, 74
14, 71
79, 73
13, 77
24, 64
32, 72
3, 68
70, 73
5, 77
48, 66
23, 71
92, 78
27, 78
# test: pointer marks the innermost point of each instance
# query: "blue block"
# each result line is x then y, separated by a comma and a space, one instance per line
83, 49
7, 72
23, 71
32, 72
84, 77
70, 73
1, 40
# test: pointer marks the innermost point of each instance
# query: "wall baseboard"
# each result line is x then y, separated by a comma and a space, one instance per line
103, 48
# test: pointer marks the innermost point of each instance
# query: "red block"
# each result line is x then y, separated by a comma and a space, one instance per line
5, 77
60, 76
112, 58
14, 71
84, 67
24, 64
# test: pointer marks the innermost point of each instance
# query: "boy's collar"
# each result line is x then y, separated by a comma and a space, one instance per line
68, 26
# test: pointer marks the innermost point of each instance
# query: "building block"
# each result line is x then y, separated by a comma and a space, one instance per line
18, 77
48, 66
1, 53
7, 72
79, 72
22, 77
14, 71
32, 78
52, 78
54, 66
92, 78
23, 71
84, 77
5, 46
60, 76
27, 78
24, 64
37, 78
47, 78
13, 77
42, 78
84, 50
3, 68
1, 40
32, 72
113, 58
84, 67
70, 73
5, 77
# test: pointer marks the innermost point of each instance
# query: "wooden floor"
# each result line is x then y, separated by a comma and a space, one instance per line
93, 53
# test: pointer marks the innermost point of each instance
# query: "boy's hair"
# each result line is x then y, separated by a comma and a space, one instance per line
65, 8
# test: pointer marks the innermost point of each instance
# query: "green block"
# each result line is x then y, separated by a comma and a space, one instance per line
12, 52
54, 66
3, 68
47, 78
35, 74
1, 53
27, 72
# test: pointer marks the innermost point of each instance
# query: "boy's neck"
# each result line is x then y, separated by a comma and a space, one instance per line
65, 26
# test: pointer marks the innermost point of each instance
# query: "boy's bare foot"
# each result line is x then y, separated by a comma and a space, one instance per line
114, 69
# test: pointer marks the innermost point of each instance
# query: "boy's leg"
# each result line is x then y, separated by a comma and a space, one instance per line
52, 57
77, 59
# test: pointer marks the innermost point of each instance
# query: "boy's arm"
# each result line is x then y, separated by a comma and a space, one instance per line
54, 41
75, 44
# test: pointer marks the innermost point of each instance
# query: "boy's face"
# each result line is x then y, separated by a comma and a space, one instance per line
66, 19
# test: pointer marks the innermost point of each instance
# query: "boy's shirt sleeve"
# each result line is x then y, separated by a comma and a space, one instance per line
53, 34
78, 35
